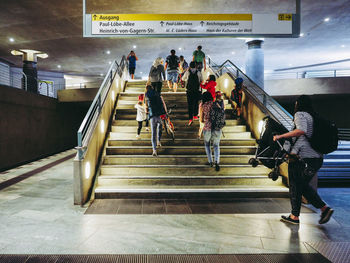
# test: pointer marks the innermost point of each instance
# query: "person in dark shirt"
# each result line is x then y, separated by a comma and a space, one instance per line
132, 63
172, 66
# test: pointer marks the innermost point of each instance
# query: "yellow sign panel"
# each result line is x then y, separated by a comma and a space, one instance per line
285, 17
172, 17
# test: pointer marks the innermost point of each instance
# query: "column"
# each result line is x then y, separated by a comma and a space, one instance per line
254, 62
30, 70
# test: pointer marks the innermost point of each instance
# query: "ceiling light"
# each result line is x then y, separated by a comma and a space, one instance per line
180, 48
301, 34
290, 65
233, 52
326, 19
109, 62
59, 66
11, 39
101, 75
134, 46
140, 72
108, 52
342, 45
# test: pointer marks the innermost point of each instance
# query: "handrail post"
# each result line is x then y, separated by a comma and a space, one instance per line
99, 103
26, 81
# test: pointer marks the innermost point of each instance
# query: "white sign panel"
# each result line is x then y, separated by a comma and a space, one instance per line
190, 24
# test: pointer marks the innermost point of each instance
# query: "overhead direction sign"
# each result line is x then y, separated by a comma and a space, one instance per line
196, 25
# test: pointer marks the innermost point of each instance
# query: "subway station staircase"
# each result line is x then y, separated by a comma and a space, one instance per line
129, 170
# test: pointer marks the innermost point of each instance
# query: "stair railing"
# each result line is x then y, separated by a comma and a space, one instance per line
93, 129
267, 104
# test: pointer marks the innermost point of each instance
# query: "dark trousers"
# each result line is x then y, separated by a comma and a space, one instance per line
157, 86
192, 101
300, 173
140, 126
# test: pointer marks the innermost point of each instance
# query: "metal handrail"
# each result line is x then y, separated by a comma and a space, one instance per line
272, 106
331, 73
85, 131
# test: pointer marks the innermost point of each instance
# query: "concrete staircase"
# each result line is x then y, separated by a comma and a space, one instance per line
336, 165
130, 171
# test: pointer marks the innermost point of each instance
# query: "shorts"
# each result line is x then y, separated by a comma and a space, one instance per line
172, 76
131, 70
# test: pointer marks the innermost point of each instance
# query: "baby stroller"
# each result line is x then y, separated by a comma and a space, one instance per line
271, 153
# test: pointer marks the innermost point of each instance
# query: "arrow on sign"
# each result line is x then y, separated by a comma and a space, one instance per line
95, 16
202, 23
161, 23
289, 17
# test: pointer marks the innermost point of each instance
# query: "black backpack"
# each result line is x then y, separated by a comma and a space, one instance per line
193, 82
324, 138
173, 62
217, 117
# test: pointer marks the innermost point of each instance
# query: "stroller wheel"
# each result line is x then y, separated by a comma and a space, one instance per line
273, 175
253, 162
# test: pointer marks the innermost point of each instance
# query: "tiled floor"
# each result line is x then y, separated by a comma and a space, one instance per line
191, 206
37, 216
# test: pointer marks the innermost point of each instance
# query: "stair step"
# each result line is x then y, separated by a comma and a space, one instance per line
173, 170
184, 129
171, 150
178, 135
178, 111
208, 191
176, 122
179, 142
176, 181
172, 159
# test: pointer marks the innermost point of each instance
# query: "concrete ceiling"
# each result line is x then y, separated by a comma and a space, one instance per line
55, 27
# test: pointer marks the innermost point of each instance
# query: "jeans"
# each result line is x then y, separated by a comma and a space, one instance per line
192, 101
300, 174
140, 126
157, 86
156, 127
215, 137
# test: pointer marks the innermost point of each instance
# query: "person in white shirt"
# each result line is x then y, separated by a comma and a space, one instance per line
141, 115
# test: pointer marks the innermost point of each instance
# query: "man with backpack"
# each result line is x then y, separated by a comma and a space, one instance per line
305, 159
193, 78
172, 65
155, 108
199, 58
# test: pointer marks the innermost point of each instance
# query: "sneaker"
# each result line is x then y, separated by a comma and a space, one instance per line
190, 122
217, 167
195, 117
138, 136
147, 129
154, 154
326, 215
159, 144
209, 164
289, 220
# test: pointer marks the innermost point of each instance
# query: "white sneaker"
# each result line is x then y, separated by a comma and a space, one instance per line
138, 136
147, 129
159, 144
154, 153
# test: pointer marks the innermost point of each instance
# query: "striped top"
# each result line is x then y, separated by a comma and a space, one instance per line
303, 121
